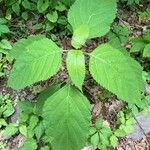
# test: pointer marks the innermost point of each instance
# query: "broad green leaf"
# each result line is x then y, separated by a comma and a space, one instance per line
146, 52
138, 44
26, 106
3, 21
80, 36
104, 139
138, 47
23, 117
76, 67
4, 44
118, 36
114, 141
95, 140
23, 130
33, 121
26, 4
117, 72
44, 95
9, 110
68, 2
37, 58
42, 5
45, 148
99, 123
25, 15
60, 7
29, 144
10, 2
52, 17
10, 130
2, 122
67, 116
39, 130
16, 8
3, 29
97, 15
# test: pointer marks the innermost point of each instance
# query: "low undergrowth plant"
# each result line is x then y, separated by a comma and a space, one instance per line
45, 14
102, 136
131, 2
142, 45
64, 110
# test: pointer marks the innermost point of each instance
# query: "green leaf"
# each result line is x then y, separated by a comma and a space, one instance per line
44, 95
25, 15
60, 7
68, 2
42, 5
117, 72
106, 130
76, 67
80, 36
16, 8
146, 52
10, 130
3, 21
4, 44
104, 139
99, 123
26, 4
95, 140
33, 121
3, 29
120, 133
93, 130
30, 144
97, 15
23, 130
9, 110
23, 117
114, 141
37, 58
10, 2
26, 106
45, 148
67, 116
52, 17
137, 47
39, 130
2, 122
119, 36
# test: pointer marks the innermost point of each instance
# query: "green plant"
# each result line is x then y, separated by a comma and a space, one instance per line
2, 145
66, 111
118, 36
125, 123
3, 27
143, 106
144, 14
131, 2
31, 123
142, 44
5, 47
6, 106
6, 110
52, 11
101, 136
